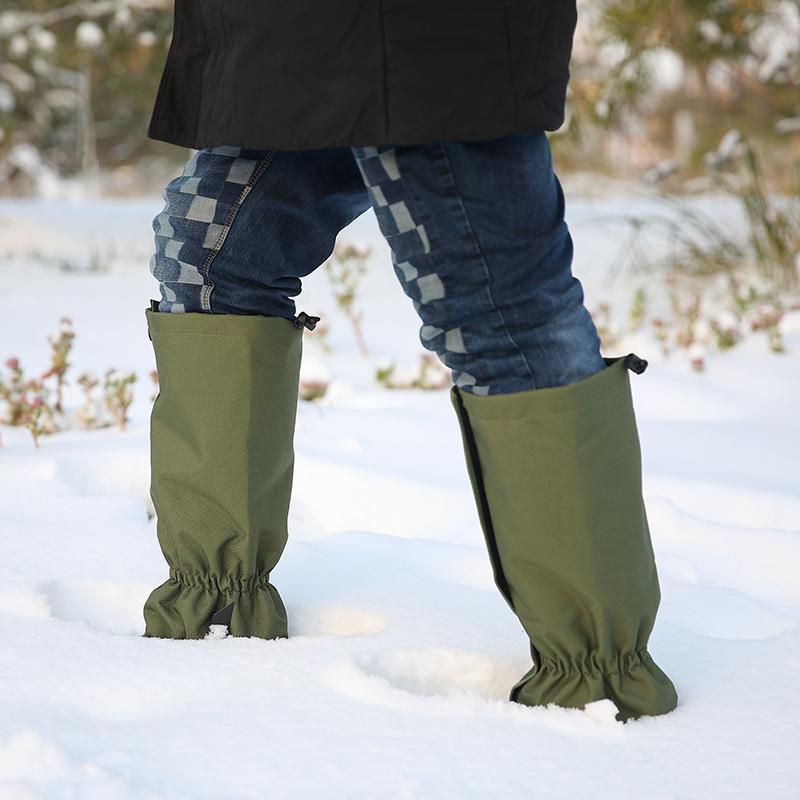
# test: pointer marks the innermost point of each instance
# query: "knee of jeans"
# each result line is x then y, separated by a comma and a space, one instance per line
566, 349
519, 346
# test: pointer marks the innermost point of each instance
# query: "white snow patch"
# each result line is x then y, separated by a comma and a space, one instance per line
395, 678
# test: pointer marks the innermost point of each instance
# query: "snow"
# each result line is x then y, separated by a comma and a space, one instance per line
89, 35
394, 681
42, 39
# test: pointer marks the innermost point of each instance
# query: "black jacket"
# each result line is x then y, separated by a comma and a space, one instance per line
299, 74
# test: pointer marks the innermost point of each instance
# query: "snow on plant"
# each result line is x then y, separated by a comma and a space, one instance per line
345, 270
118, 395
750, 271
769, 241
767, 318
64, 64
655, 81
89, 414
703, 318
734, 43
60, 347
89, 35
727, 330
772, 237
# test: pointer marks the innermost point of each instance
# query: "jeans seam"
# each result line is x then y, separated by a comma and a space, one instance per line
205, 270
484, 263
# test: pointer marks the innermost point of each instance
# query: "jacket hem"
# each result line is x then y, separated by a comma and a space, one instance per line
254, 141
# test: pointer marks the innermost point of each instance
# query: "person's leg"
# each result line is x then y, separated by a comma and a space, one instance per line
480, 245
241, 228
238, 232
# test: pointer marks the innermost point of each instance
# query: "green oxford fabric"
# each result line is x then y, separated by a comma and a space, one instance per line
556, 474
222, 458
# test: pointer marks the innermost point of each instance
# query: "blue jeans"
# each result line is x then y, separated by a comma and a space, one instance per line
476, 229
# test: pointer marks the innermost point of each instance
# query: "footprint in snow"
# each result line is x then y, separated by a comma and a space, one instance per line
441, 671
117, 608
103, 605
333, 621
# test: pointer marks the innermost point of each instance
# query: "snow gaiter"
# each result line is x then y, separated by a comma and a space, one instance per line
221, 433
556, 474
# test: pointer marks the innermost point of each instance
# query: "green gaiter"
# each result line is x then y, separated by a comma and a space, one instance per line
222, 457
556, 474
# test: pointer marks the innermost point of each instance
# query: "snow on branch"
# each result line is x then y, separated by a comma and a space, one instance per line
12, 22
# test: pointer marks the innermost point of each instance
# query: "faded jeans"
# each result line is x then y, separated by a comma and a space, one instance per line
476, 230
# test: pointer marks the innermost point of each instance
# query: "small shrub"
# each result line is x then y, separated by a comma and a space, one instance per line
60, 347
313, 389
345, 269
638, 310
90, 413
686, 311
12, 390
431, 374
768, 318
118, 395
28, 400
727, 330
321, 333
38, 413
606, 329
697, 357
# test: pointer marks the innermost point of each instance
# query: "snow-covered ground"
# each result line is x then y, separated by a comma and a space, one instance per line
393, 684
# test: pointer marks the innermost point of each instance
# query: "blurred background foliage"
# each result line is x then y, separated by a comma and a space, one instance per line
657, 80
656, 84
77, 81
